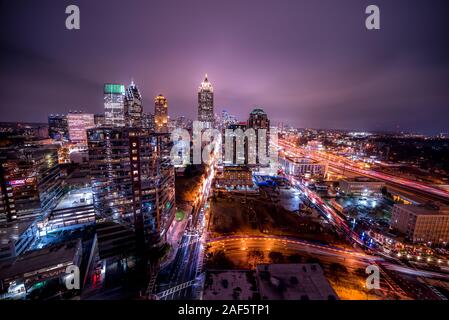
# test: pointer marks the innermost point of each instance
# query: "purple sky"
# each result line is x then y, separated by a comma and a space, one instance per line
308, 63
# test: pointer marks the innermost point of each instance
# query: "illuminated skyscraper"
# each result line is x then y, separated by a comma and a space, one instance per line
258, 119
133, 107
161, 114
114, 105
148, 121
206, 103
78, 122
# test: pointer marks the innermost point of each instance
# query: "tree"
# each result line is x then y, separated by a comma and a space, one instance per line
337, 267
256, 256
276, 257
219, 260
294, 258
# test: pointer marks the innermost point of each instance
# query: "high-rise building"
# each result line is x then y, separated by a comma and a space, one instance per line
161, 114
133, 106
206, 103
99, 120
30, 180
78, 122
133, 179
183, 123
57, 127
258, 119
148, 121
227, 119
114, 105
239, 155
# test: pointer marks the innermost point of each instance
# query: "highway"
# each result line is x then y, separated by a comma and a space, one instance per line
345, 164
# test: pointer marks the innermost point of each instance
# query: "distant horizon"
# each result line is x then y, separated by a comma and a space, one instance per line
298, 128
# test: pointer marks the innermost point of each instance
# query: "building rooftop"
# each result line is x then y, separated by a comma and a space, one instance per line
360, 179
237, 168
425, 209
299, 281
230, 285
258, 111
301, 160
57, 255
13, 230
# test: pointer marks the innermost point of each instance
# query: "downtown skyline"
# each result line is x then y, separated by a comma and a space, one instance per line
307, 64
199, 151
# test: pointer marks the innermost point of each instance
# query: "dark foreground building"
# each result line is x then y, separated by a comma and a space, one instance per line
133, 180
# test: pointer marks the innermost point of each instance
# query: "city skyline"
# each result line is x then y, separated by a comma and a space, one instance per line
304, 66
241, 150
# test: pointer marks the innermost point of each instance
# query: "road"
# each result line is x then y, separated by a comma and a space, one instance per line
237, 247
393, 265
187, 264
345, 164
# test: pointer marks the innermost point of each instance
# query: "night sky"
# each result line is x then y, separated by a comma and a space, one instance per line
307, 63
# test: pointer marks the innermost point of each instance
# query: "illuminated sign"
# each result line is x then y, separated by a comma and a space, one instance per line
15, 183
114, 88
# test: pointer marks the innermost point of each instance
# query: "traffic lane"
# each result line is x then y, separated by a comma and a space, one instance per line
416, 272
386, 177
237, 250
290, 240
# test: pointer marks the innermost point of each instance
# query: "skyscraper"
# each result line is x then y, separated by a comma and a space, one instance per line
161, 114
148, 121
258, 119
133, 107
133, 179
114, 105
206, 103
78, 122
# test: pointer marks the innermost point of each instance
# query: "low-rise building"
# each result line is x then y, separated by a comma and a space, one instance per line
421, 223
304, 167
238, 176
19, 275
363, 186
